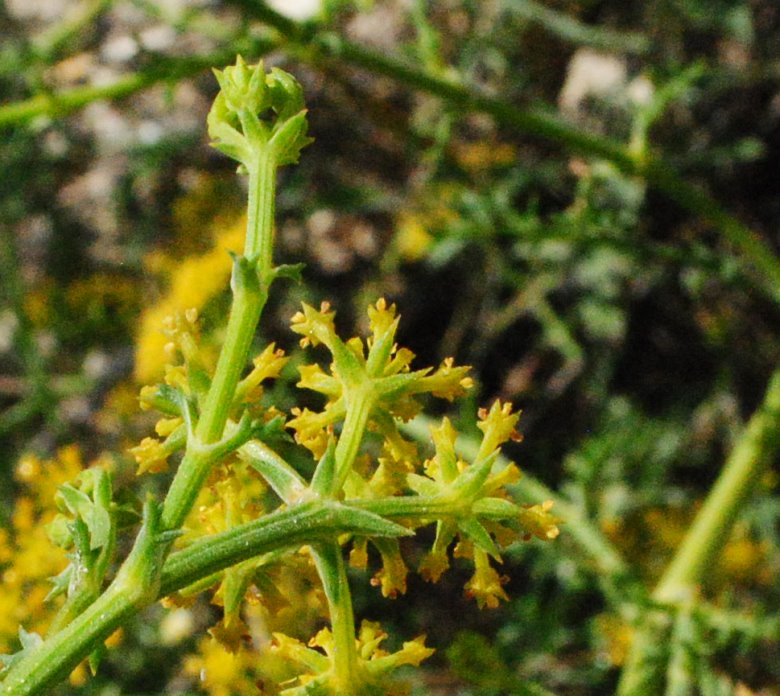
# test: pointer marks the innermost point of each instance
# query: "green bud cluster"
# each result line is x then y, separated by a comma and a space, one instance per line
258, 114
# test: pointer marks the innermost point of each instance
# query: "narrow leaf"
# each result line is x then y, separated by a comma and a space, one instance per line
479, 535
367, 523
283, 479
324, 475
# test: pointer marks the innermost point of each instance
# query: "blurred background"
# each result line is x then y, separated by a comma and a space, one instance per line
480, 165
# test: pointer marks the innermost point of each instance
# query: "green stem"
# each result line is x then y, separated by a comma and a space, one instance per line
333, 573
744, 467
710, 531
59, 104
56, 658
409, 507
316, 47
56, 42
260, 214
251, 278
242, 323
52, 661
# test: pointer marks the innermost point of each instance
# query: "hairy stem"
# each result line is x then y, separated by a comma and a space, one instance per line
289, 528
333, 573
251, 278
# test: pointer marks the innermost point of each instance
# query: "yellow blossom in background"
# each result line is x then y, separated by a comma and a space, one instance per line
28, 555
101, 294
482, 155
37, 303
417, 224
745, 560
221, 672
193, 282
616, 636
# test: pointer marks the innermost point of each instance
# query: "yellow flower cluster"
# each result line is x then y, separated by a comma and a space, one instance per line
314, 669
451, 478
27, 557
356, 362
278, 594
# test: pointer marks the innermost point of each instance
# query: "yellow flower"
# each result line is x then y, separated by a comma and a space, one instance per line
265, 366
150, 455
194, 281
220, 672
376, 367
315, 668
616, 635
418, 226
486, 585
392, 576
483, 155
498, 426
537, 521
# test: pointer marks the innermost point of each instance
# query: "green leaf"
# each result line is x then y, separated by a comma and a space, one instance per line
244, 277
58, 531
96, 657
30, 640
367, 523
283, 479
60, 583
495, 508
234, 586
286, 94
292, 271
100, 527
422, 485
288, 141
380, 351
325, 474
479, 535
74, 501
467, 485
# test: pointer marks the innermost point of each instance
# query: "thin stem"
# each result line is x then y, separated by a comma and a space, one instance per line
744, 467
59, 104
333, 573
260, 214
54, 43
242, 324
195, 465
291, 527
251, 278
